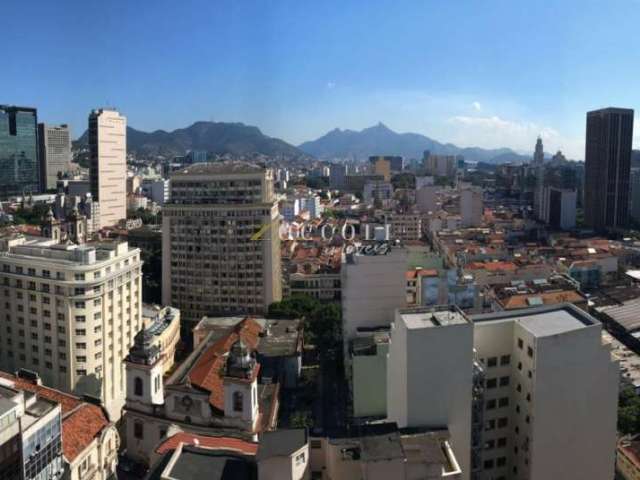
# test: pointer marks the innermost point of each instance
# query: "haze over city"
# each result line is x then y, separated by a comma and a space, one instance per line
489, 74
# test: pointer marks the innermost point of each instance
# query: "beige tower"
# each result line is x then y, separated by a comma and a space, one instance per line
220, 242
108, 155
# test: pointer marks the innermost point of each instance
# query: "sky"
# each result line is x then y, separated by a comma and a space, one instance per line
490, 73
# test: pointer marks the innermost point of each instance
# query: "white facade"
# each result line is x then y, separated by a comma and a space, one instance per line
156, 189
558, 207
429, 375
71, 313
550, 400
108, 157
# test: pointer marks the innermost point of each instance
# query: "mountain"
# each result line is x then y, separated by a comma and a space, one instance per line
213, 137
381, 140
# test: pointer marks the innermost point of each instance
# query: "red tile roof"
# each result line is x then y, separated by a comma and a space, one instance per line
203, 441
207, 373
81, 421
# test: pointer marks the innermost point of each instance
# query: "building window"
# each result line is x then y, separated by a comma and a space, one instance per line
530, 351
492, 361
505, 359
138, 430
300, 459
520, 343
504, 381
137, 387
237, 401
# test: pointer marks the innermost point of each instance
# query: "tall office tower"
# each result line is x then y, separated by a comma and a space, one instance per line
538, 154
635, 194
19, 167
54, 152
220, 242
607, 167
70, 313
430, 374
108, 169
338, 176
471, 206
538, 165
550, 395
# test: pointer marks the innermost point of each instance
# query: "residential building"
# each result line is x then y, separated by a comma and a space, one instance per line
156, 189
54, 153
471, 206
337, 176
426, 199
221, 243
406, 226
607, 167
195, 156
421, 340
71, 312
377, 191
424, 182
311, 203
396, 162
381, 166
290, 209
546, 372
441, 165
19, 165
57, 435
108, 164
321, 285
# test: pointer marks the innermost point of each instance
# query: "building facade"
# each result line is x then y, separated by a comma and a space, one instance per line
71, 313
220, 245
54, 153
19, 166
108, 164
607, 167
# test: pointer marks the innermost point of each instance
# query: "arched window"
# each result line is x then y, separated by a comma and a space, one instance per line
237, 401
137, 386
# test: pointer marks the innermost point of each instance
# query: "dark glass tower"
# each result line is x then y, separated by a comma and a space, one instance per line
608, 168
19, 166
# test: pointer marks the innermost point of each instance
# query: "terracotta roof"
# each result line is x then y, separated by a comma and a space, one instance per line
81, 421
492, 266
548, 298
207, 372
203, 441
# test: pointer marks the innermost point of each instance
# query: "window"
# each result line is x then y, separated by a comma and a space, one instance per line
504, 381
237, 401
490, 425
530, 351
80, 304
491, 404
520, 343
492, 361
488, 464
502, 442
489, 444
503, 402
138, 430
492, 382
300, 459
502, 422
501, 461
138, 388
505, 359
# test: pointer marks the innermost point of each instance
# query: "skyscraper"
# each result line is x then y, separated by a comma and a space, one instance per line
220, 242
54, 153
538, 165
538, 154
108, 164
19, 169
607, 167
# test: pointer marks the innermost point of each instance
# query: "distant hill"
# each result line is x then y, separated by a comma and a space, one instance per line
213, 137
381, 140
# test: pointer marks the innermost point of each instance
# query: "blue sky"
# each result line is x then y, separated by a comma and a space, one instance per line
488, 73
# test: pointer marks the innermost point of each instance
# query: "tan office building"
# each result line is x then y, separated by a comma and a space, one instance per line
70, 313
108, 164
220, 242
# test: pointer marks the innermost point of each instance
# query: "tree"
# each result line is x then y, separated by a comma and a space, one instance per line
628, 411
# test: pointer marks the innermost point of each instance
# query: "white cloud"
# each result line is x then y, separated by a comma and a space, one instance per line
331, 85
477, 106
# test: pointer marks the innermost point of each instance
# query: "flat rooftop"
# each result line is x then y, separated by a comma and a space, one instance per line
543, 321
219, 168
430, 318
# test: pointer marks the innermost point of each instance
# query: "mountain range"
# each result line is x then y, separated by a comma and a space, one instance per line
212, 137
240, 139
381, 140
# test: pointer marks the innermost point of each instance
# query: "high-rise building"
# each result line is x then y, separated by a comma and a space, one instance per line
538, 154
471, 206
19, 167
550, 394
221, 244
70, 313
538, 170
558, 207
338, 176
54, 152
607, 167
108, 164
635, 194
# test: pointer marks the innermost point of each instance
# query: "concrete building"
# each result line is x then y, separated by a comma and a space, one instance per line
54, 434
607, 168
220, 245
426, 198
381, 166
406, 226
441, 165
290, 209
54, 153
634, 209
311, 203
19, 165
424, 182
382, 191
395, 162
157, 190
420, 392
546, 372
471, 206
108, 164
337, 176
71, 313
558, 207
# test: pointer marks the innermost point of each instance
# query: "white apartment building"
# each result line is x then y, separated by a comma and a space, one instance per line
550, 395
220, 242
558, 207
108, 164
471, 206
429, 375
70, 313
156, 190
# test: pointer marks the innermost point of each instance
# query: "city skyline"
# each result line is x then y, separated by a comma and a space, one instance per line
298, 71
